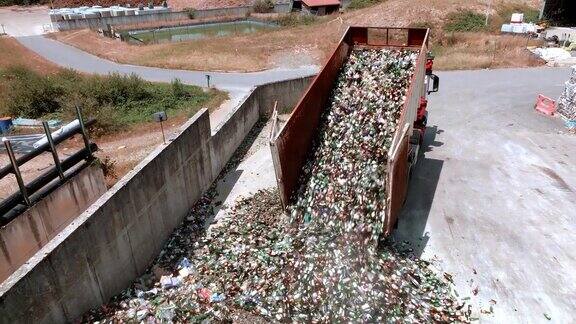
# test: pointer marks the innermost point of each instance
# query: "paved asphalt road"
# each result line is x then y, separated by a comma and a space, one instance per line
71, 57
494, 195
236, 84
28, 24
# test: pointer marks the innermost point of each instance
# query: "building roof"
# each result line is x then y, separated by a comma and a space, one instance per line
320, 3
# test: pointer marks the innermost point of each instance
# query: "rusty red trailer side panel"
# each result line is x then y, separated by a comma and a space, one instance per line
293, 144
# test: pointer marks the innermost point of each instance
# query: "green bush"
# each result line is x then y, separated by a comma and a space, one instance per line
465, 21
263, 6
178, 89
295, 19
114, 89
359, 4
29, 94
114, 100
191, 12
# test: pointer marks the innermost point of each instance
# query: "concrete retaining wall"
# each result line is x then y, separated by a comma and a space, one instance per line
283, 93
102, 22
115, 240
29, 232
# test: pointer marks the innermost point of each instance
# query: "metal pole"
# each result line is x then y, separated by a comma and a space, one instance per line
53, 150
17, 171
83, 130
162, 129
208, 80
542, 10
488, 11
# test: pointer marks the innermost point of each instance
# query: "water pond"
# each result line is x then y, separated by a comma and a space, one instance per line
186, 33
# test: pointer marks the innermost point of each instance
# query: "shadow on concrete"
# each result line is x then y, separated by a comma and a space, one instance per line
229, 176
224, 187
421, 190
430, 140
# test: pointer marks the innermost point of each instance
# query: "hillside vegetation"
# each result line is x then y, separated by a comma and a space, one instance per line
116, 101
34, 88
311, 41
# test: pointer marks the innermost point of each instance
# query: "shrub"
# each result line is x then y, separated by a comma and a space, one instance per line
108, 167
30, 94
178, 89
114, 100
294, 19
191, 12
359, 4
263, 6
465, 21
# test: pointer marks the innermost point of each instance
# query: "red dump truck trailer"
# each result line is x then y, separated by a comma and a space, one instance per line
292, 145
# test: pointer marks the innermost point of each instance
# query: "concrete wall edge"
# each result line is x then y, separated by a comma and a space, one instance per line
80, 220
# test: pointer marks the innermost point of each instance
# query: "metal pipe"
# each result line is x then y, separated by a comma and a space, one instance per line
44, 179
42, 148
53, 150
162, 129
488, 11
17, 173
83, 130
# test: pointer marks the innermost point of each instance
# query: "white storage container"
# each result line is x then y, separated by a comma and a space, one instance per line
519, 29
517, 18
506, 28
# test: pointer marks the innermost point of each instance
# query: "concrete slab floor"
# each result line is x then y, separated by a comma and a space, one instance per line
493, 198
254, 173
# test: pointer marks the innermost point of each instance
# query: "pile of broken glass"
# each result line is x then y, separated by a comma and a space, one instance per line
320, 261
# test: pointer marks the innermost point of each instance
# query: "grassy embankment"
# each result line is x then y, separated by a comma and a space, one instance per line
33, 88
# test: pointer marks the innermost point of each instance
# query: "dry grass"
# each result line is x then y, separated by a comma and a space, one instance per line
290, 46
481, 50
242, 53
14, 54
207, 4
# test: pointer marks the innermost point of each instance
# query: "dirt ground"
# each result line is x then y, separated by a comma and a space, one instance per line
123, 151
313, 43
14, 54
484, 51
208, 4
